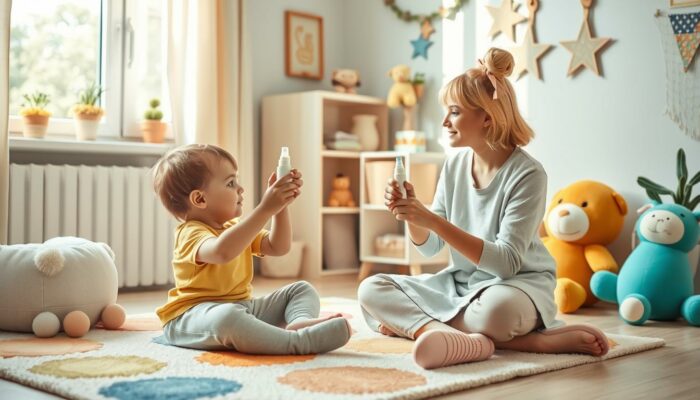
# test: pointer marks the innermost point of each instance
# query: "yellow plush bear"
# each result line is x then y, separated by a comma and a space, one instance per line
341, 196
580, 221
401, 91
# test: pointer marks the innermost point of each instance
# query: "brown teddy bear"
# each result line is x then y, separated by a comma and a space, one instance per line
345, 80
341, 196
580, 221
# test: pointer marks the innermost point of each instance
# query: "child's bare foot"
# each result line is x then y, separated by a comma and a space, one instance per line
386, 331
295, 326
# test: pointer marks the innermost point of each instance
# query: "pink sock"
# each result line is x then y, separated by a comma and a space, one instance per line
437, 348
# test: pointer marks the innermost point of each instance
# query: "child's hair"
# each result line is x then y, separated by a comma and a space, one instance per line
485, 87
184, 169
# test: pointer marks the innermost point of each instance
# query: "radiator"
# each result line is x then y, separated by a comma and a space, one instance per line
110, 204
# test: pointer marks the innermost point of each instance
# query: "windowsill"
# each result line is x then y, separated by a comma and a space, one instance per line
99, 146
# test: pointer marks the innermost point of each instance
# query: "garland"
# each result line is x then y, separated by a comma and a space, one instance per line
407, 16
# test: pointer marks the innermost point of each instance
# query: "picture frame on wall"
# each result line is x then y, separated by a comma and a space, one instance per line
303, 45
684, 3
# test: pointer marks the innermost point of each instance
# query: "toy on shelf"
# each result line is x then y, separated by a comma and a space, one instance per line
345, 80
403, 93
655, 281
581, 220
341, 196
66, 279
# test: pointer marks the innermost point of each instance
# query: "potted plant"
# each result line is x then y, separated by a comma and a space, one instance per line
152, 128
87, 113
418, 83
34, 115
682, 196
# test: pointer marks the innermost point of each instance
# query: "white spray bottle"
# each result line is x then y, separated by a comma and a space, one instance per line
400, 176
284, 165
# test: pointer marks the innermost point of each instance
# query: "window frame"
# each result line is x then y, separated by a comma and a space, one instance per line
115, 45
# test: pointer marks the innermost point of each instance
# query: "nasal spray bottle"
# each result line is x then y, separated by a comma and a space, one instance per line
400, 176
284, 165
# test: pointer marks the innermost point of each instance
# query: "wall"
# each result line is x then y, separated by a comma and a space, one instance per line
609, 128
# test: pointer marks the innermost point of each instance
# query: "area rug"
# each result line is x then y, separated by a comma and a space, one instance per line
130, 364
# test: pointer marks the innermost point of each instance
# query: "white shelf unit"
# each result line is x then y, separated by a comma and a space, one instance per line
376, 219
300, 121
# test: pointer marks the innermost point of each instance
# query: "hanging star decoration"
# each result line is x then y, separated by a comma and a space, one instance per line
421, 45
527, 55
585, 48
505, 18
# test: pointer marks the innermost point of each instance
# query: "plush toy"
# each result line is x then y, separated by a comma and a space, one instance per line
401, 92
64, 279
345, 80
581, 219
341, 196
655, 282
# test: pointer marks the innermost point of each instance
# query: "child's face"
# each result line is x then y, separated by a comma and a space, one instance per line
223, 193
465, 127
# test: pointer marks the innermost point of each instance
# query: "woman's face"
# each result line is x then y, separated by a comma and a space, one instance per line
465, 127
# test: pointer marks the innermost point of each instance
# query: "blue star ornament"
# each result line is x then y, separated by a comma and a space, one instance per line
420, 47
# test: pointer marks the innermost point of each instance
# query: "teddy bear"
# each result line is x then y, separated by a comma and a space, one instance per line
401, 91
65, 283
655, 281
341, 196
581, 219
345, 80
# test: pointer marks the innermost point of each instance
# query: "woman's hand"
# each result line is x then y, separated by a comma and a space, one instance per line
409, 209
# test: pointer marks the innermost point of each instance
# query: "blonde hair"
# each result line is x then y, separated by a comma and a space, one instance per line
184, 169
485, 87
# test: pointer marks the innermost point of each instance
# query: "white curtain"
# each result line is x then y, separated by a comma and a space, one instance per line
208, 68
5, 6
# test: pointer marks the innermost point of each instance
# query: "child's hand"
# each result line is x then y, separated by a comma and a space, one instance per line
280, 192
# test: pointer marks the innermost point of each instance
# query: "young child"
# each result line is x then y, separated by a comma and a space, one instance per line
499, 290
211, 307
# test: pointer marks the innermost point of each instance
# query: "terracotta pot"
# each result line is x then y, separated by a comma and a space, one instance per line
35, 126
419, 88
153, 131
86, 126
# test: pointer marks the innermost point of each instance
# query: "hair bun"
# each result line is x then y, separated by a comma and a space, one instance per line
499, 62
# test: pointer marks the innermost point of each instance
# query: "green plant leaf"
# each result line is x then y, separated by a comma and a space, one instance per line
695, 179
648, 184
694, 203
654, 196
686, 195
681, 168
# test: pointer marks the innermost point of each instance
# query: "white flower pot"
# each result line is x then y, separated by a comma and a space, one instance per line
286, 266
35, 126
365, 126
86, 128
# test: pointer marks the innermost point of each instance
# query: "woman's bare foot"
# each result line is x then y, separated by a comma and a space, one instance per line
310, 322
569, 339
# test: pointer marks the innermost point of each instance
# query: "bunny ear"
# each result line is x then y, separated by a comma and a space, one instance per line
643, 208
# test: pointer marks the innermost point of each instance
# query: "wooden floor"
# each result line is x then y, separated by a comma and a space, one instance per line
671, 372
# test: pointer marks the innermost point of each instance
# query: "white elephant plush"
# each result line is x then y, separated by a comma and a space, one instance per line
65, 283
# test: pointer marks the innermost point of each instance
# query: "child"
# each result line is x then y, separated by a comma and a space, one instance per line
499, 290
211, 307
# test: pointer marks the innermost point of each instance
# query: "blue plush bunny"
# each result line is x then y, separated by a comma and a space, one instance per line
655, 282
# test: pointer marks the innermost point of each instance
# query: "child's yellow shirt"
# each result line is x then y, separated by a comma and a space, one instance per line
197, 282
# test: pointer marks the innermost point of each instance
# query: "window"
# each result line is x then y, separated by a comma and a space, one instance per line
59, 47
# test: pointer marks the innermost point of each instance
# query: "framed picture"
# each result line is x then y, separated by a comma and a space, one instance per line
303, 45
684, 3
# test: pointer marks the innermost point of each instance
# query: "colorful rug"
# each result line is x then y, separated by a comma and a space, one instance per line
128, 364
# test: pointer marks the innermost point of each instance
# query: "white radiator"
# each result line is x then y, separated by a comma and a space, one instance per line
115, 205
